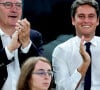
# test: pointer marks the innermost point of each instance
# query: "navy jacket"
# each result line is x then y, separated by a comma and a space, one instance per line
35, 50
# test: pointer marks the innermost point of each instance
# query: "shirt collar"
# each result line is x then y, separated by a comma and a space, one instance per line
1, 32
93, 40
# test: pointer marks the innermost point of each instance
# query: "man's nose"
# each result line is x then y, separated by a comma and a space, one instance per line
86, 19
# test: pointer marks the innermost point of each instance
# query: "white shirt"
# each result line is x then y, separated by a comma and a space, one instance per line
13, 68
66, 59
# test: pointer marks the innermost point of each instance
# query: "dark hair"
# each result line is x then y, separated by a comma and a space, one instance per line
77, 3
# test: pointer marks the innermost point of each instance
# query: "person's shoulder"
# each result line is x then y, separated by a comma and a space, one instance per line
34, 31
97, 37
68, 43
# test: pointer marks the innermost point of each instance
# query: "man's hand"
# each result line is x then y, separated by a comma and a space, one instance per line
23, 27
84, 54
14, 44
86, 58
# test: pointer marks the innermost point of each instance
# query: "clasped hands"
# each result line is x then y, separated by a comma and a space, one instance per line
21, 36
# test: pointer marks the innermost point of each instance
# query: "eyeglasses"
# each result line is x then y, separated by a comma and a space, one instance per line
9, 5
43, 73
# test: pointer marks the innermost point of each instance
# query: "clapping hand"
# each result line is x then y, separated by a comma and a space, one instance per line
85, 57
23, 27
14, 44
84, 54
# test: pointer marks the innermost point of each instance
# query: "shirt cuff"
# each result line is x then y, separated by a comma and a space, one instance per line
10, 55
26, 49
76, 77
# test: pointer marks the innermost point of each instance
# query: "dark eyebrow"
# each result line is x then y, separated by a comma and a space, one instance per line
44, 70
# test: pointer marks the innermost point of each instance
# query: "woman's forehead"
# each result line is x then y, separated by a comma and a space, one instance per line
42, 65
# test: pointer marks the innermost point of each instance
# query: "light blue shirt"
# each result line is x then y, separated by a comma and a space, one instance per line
66, 59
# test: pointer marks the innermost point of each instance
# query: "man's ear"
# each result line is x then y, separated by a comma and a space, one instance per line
98, 20
73, 21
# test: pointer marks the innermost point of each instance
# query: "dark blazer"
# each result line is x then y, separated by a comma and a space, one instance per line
35, 50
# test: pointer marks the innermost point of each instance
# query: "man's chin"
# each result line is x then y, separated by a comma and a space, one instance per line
13, 25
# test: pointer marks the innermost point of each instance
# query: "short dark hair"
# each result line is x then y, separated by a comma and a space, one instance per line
77, 3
